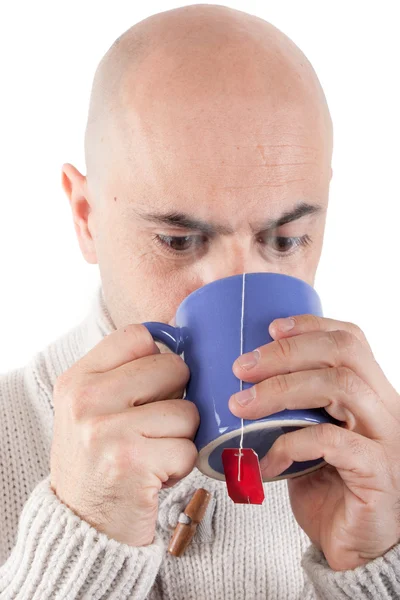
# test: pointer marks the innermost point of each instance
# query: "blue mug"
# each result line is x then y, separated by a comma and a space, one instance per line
213, 325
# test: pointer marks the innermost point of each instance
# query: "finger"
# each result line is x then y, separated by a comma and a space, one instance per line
169, 418
171, 458
167, 458
148, 379
317, 350
119, 347
357, 459
152, 378
307, 323
299, 324
344, 395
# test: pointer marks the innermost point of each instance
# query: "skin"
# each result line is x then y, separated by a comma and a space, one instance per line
217, 115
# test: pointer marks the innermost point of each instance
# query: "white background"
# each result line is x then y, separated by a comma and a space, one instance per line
48, 53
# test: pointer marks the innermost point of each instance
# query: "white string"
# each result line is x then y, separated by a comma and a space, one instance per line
241, 352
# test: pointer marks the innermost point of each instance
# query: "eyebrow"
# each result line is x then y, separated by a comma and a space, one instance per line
184, 221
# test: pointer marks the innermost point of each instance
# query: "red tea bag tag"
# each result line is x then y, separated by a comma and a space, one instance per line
243, 475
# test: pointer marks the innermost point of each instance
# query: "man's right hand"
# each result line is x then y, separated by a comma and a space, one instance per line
122, 432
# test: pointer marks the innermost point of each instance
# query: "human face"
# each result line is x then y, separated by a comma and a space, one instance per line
196, 189
207, 206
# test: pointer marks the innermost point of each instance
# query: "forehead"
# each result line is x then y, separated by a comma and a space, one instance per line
220, 158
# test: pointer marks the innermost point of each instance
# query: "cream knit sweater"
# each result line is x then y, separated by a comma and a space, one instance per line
239, 551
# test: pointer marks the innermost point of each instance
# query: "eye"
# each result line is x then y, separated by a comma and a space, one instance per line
284, 246
180, 244
177, 243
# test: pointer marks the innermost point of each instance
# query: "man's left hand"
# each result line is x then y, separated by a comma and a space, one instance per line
350, 508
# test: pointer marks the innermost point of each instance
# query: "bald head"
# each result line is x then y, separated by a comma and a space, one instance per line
208, 152
196, 60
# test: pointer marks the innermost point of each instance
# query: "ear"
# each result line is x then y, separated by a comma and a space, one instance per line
74, 184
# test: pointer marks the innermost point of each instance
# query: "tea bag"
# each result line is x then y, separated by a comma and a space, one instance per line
248, 489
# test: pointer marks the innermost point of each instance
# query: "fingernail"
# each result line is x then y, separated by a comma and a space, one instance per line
246, 396
284, 325
248, 361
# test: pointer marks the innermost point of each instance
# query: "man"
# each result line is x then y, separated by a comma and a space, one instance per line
208, 151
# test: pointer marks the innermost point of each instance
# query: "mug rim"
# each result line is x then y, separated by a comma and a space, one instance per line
240, 275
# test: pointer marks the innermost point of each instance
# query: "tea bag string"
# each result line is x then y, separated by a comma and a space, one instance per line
241, 352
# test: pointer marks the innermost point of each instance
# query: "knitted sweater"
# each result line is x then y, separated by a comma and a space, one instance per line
239, 551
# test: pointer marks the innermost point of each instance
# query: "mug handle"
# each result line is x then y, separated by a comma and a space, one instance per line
166, 334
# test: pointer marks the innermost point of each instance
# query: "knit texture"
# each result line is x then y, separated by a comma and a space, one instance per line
252, 552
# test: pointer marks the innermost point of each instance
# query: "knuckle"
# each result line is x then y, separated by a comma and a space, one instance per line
140, 336
128, 457
311, 321
327, 434
122, 460
177, 363
194, 414
283, 348
173, 452
356, 331
388, 462
81, 399
192, 453
126, 371
93, 433
347, 381
343, 340
184, 454
179, 459
357, 446
278, 384
282, 444
184, 409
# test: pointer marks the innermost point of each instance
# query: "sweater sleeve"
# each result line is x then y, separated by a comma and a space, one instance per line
379, 578
59, 556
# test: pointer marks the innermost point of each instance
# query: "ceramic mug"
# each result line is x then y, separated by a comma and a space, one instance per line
213, 324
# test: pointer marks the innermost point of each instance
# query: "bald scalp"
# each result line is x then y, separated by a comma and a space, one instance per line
182, 54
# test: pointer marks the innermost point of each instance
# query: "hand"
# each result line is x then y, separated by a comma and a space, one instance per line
350, 508
121, 432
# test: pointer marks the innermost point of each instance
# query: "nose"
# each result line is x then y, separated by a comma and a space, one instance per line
233, 261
